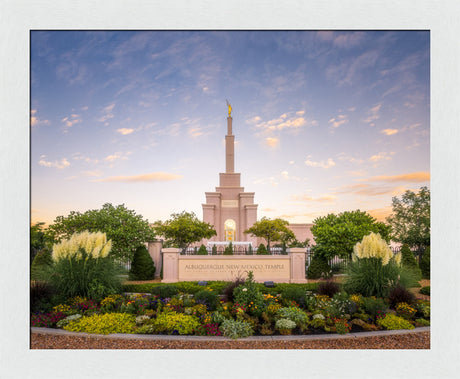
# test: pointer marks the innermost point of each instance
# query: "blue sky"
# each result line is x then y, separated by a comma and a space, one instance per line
324, 121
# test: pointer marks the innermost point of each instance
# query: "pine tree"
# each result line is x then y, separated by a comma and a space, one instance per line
142, 266
262, 250
408, 260
229, 249
318, 267
202, 250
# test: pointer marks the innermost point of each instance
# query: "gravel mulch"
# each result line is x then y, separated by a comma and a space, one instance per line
383, 340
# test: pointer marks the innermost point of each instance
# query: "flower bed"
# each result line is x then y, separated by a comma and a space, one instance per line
245, 311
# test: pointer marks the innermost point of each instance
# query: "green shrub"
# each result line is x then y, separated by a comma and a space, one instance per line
250, 250
399, 294
82, 267
296, 294
236, 329
408, 260
209, 298
422, 322
214, 250
188, 287
106, 323
393, 322
294, 314
425, 290
142, 266
249, 294
202, 250
374, 306
262, 250
230, 287
285, 323
425, 263
229, 249
369, 277
41, 265
318, 267
165, 291
175, 323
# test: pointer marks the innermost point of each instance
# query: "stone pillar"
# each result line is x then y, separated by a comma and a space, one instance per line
297, 256
155, 252
170, 265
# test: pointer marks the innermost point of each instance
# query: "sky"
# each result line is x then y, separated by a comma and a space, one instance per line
324, 121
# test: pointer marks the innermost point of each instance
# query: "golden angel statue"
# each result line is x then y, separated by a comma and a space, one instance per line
229, 109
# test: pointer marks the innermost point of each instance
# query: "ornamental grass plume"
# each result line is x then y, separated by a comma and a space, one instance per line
373, 246
94, 244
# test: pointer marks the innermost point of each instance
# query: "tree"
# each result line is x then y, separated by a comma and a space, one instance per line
410, 221
182, 229
271, 230
124, 227
142, 267
335, 235
38, 239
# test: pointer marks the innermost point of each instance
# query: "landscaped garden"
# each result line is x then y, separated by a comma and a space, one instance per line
84, 294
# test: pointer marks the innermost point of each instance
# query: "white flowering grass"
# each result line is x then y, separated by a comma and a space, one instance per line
373, 246
83, 266
94, 244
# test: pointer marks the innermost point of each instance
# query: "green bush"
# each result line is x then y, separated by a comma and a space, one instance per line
214, 250
248, 293
236, 329
106, 323
250, 250
425, 290
209, 298
262, 250
374, 306
408, 260
296, 294
41, 265
229, 249
425, 263
175, 323
369, 277
165, 291
83, 267
142, 266
294, 314
393, 322
318, 267
202, 250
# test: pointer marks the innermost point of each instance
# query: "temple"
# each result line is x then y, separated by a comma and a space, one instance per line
229, 208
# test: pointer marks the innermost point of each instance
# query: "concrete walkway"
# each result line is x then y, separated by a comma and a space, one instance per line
156, 337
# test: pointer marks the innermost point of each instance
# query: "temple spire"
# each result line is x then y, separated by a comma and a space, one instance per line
229, 144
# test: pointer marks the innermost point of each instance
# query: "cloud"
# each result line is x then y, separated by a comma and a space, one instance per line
92, 173
63, 163
35, 121
107, 114
285, 175
125, 131
322, 164
389, 132
114, 157
349, 158
79, 156
272, 141
268, 210
195, 132
373, 114
415, 177
70, 121
381, 156
339, 120
152, 177
323, 198
380, 214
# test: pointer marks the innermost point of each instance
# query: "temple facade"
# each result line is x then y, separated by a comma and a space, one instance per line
229, 208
